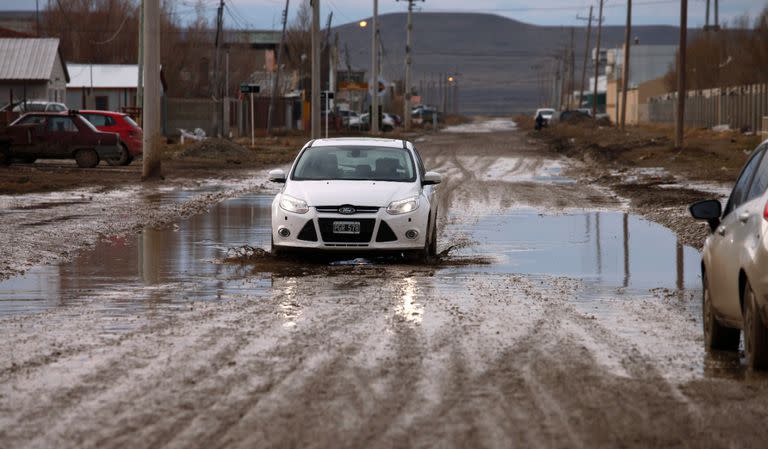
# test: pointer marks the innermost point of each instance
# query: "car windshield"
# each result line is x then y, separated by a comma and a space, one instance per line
355, 163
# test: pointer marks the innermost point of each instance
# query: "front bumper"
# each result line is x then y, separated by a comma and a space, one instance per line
379, 231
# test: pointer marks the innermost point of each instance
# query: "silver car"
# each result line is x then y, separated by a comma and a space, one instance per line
734, 265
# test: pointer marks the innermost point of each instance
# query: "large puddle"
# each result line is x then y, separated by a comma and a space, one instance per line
164, 269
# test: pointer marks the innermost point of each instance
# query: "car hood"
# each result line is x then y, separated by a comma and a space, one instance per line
356, 193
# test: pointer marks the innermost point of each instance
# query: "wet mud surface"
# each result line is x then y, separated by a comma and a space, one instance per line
554, 318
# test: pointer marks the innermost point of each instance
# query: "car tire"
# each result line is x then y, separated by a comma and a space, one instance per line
755, 335
716, 336
123, 159
29, 159
275, 250
87, 158
5, 155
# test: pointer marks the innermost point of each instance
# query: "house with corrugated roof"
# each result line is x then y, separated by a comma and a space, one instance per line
32, 69
106, 87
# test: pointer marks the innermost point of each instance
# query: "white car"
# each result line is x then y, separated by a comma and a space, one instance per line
734, 266
356, 194
546, 114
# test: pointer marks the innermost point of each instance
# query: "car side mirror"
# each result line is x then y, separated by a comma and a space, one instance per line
277, 175
431, 178
709, 210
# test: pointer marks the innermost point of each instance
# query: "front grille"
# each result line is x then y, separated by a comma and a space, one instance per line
366, 231
308, 232
385, 233
358, 209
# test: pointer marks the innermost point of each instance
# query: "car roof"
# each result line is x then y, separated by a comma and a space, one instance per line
349, 141
92, 111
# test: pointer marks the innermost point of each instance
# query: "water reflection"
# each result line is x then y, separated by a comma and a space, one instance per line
168, 266
407, 308
594, 246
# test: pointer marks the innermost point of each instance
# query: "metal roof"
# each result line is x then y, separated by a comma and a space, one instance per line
28, 59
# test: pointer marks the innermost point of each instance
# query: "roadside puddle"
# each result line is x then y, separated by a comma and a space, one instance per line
223, 254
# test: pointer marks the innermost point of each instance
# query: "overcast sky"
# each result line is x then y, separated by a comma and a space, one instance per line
266, 13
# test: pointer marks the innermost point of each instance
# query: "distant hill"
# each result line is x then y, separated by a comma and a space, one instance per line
492, 54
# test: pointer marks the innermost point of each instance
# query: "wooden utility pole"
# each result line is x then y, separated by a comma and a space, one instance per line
706, 19
625, 74
315, 98
681, 92
571, 70
375, 70
276, 87
151, 168
597, 57
140, 84
408, 65
586, 56
216, 87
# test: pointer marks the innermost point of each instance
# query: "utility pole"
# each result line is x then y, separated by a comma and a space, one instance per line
597, 57
625, 75
275, 88
717, 15
375, 70
681, 92
315, 99
586, 54
706, 19
408, 65
216, 88
140, 84
151, 168
571, 71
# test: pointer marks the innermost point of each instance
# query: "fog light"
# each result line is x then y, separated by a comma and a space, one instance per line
284, 232
411, 234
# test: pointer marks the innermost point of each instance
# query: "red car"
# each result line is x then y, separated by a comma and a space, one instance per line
117, 122
58, 135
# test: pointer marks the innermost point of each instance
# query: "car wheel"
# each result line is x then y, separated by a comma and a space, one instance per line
755, 335
124, 157
5, 155
716, 336
432, 249
87, 158
275, 250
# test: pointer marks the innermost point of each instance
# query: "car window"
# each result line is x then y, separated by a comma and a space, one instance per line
355, 163
55, 107
739, 193
61, 124
30, 119
99, 119
760, 182
130, 121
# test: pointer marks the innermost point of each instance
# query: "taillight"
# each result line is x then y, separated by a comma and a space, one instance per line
765, 212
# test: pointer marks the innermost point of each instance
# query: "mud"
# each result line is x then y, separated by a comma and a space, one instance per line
580, 329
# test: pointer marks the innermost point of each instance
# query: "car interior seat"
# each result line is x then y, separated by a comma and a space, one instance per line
387, 168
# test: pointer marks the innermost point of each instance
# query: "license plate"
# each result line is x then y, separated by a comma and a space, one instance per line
346, 227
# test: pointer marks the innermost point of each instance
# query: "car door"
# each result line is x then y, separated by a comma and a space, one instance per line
60, 132
728, 240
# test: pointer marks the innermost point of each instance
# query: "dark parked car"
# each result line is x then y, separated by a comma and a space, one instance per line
53, 135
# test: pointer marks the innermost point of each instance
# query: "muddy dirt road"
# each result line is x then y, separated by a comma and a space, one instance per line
558, 318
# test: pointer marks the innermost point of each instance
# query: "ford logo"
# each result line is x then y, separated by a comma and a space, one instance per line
347, 210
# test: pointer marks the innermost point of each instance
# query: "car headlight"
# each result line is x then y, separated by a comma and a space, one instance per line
403, 206
292, 204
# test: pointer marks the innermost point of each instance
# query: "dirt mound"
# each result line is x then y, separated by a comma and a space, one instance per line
214, 148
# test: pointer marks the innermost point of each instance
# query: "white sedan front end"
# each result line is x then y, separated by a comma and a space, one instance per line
355, 195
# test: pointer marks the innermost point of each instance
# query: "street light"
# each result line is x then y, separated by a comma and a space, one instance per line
363, 24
